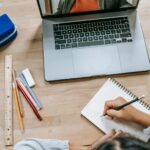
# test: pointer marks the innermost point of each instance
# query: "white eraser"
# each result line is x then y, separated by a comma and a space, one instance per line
28, 77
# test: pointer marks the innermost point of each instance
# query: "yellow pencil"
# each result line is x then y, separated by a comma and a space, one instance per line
17, 108
17, 93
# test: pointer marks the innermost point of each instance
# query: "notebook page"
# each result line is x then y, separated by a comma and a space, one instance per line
94, 109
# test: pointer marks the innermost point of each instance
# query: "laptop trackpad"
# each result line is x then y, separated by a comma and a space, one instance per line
98, 60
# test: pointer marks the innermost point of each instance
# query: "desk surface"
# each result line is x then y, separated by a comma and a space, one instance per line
62, 101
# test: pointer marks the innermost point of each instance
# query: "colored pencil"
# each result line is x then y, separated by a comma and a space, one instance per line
17, 108
22, 78
17, 92
21, 87
27, 93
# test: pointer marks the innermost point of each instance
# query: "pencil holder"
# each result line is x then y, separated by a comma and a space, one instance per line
8, 30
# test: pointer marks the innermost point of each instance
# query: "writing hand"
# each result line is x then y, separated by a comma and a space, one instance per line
128, 113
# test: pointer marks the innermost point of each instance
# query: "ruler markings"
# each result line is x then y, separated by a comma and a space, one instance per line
8, 101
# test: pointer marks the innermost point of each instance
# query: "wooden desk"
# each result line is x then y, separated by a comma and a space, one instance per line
62, 101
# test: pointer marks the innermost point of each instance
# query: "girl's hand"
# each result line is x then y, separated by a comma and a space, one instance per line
110, 135
128, 113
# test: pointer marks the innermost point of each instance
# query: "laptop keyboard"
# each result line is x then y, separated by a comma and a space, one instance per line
91, 33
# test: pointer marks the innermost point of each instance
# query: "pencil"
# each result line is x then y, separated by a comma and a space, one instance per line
22, 78
28, 100
28, 94
17, 108
128, 103
17, 92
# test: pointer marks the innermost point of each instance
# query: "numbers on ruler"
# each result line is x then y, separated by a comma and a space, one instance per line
8, 101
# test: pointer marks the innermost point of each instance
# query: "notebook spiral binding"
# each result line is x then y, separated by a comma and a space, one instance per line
143, 103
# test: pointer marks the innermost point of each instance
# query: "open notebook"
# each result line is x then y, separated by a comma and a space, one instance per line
111, 90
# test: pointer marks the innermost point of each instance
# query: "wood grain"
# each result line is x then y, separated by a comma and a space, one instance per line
62, 101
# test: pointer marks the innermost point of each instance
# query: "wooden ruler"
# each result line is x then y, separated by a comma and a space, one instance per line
8, 101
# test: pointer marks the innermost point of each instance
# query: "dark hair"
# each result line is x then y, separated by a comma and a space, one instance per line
124, 143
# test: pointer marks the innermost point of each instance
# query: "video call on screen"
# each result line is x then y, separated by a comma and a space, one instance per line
57, 7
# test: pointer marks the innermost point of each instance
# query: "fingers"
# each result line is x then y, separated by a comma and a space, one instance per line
113, 113
118, 133
110, 135
108, 105
115, 133
113, 104
106, 137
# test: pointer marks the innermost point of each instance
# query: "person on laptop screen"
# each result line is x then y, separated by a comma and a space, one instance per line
77, 6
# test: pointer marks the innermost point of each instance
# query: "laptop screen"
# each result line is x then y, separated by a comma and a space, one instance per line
74, 7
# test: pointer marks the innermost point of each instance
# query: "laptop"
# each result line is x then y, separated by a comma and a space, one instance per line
86, 38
